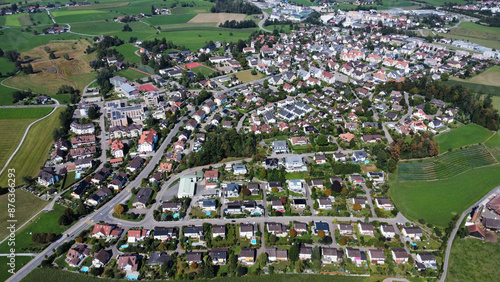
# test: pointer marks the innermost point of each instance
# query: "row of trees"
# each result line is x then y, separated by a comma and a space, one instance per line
235, 6
238, 25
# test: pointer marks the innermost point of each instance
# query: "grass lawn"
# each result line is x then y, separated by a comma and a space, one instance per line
203, 70
470, 255
23, 212
438, 201
6, 66
13, 20
247, 76
195, 39
24, 113
6, 94
127, 50
69, 180
46, 222
131, 75
20, 262
483, 35
464, 135
490, 76
25, 20
496, 102
13, 38
296, 175
34, 150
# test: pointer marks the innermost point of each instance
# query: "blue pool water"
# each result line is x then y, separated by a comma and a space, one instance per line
257, 213
85, 269
123, 247
77, 175
132, 277
254, 241
176, 215
208, 213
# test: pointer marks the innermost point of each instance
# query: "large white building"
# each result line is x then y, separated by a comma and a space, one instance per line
187, 186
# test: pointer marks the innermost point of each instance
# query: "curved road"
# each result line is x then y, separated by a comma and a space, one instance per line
261, 23
454, 232
24, 137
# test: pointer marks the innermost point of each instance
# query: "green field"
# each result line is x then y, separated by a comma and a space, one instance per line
6, 94
62, 13
131, 75
12, 127
56, 275
6, 66
20, 262
23, 212
13, 38
464, 135
127, 50
13, 20
169, 19
63, 16
483, 35
493, 145
41, 18
438, 201
474, 260
474, 87
247, 76
45, 222
195, 39
34, 151
446, 165
203, 70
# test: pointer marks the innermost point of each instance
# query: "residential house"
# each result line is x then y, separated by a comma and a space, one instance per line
305, 253
330, 255
239, 169
366, 229
219, 255
319, 225
325, 204
345, 229
384, 203
388, 231
147, 141
142, 197
356, 255
247, 256
377, 256
275, 254
134, 236
414, 233
101, 258
104, 231
165, 233
246, 230
399, 255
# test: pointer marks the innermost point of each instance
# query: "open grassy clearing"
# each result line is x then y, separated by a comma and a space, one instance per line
493, 145
24, 113
489, 77
6, 66
13, 20
131, 75
203, 70
35, 149
11, 133
169, 19
446, 165
62, 13
474, 260
25, 20
195, 39
441, 2
98, 6
496, 102
464, 135
13, 38
247, 76
51, 74
438, 201
23, 212
45, 222
128, 51
5, 94
217, 18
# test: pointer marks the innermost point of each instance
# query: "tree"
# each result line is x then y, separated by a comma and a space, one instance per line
241, 270
194, 265
274, 189
52, 55
328, 192
294, 253
29, 180
263, 259
93, 113
126, 27
293, 233
322, 140
66, 56
119, 210
283, 200
342, 241
299, 266
321, 234
246, 192
356, 207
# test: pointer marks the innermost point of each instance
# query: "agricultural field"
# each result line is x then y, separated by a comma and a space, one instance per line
13, 38
217, 18
131, 75
247, 76
35, 149
488, 77
462, 136
438, 201
23, 212
13, 20
51, 74
195, 39
169, 19
41, 18
62, 16
474, 87
446, 165
474, 260
483, 35
45, 222
20, 262
13, 124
